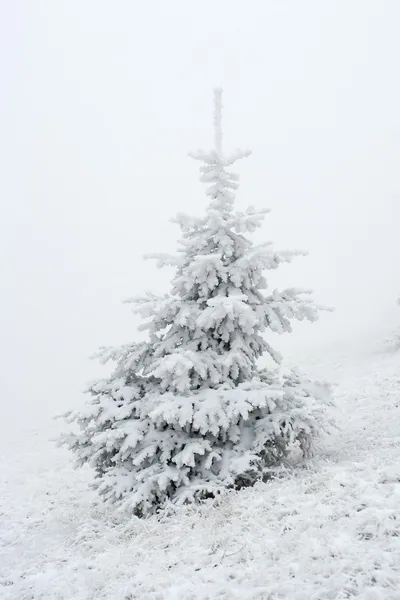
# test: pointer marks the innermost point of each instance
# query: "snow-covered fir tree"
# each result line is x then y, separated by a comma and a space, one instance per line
190, 412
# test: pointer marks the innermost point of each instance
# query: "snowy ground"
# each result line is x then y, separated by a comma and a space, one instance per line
328, 531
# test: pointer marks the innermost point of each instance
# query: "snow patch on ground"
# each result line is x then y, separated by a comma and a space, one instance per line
328, 530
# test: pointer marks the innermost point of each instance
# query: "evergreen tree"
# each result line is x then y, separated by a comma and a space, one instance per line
189, 411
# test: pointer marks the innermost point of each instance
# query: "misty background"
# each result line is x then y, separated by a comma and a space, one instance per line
101, 102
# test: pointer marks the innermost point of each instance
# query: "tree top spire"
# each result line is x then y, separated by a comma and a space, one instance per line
218, 119
210, 157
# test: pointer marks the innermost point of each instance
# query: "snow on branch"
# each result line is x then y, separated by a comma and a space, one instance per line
163, 260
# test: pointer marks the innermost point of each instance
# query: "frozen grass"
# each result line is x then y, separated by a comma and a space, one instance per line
328, 530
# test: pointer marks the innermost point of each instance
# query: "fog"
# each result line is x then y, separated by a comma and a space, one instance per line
101, 103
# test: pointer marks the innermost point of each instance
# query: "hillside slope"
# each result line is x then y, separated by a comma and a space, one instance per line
328, 530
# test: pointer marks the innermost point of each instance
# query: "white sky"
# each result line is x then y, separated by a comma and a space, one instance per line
101, 102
